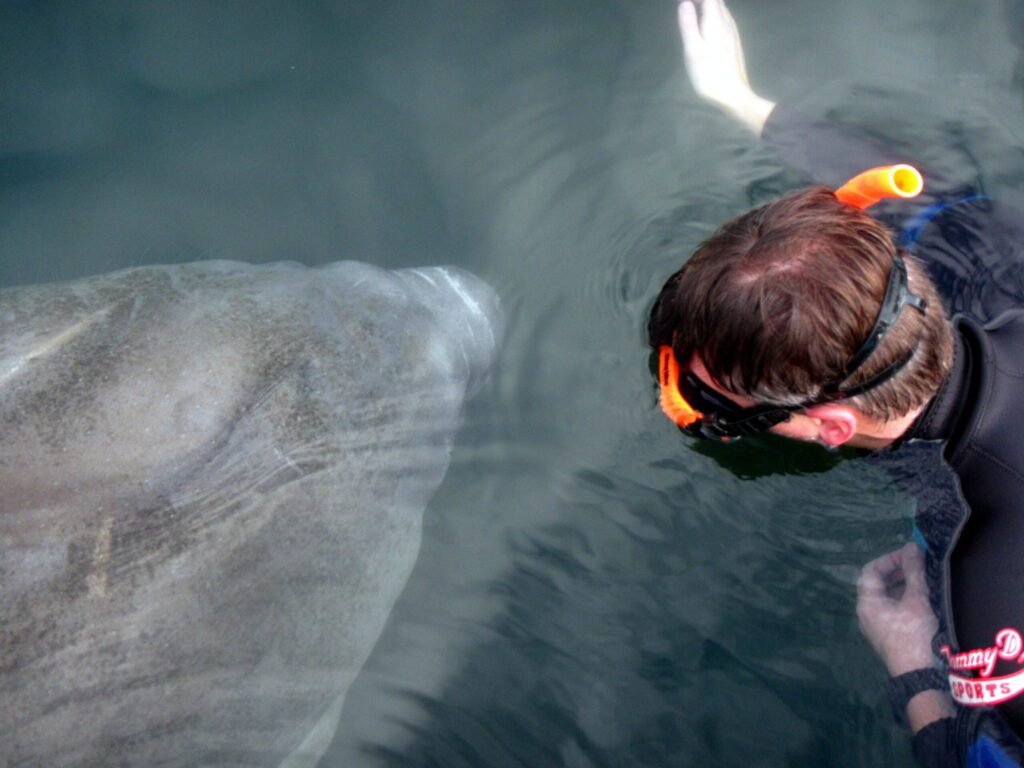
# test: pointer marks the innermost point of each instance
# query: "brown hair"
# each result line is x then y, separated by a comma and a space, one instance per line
779, 299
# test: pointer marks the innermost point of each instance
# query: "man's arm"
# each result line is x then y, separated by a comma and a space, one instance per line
716, 67
714, 61
897, 619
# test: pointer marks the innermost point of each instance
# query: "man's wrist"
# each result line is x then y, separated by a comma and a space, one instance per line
925, 707
919, 697
901, 665
752, 111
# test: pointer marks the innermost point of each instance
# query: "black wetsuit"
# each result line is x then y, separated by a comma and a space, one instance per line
979, 413
974, 250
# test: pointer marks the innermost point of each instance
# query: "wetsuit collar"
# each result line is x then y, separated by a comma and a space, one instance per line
942, 417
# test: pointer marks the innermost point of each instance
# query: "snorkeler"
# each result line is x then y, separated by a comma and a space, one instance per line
813, 319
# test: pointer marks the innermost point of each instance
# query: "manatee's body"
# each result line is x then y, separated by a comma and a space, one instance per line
212, 478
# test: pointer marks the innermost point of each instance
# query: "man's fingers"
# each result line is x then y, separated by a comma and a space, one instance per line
713, 12
871, 581
875, 575
688, 26
913, 569
887, 564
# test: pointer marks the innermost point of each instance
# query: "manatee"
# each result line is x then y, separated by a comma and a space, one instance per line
212, 483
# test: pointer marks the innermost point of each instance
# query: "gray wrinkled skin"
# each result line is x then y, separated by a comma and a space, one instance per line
212, 480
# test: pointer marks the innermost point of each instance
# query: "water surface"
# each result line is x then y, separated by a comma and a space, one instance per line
592, 589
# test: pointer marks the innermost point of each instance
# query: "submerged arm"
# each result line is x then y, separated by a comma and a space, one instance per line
714, 62
716, 67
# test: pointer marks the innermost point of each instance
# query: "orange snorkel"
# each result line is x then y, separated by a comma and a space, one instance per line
862, 191
671, 401
867, 188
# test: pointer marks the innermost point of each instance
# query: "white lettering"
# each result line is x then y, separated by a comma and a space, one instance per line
1008, 645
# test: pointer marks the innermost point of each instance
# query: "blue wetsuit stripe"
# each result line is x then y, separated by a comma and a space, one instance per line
914, 225
986, 753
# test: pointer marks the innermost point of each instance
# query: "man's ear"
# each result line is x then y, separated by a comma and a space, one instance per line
836, 423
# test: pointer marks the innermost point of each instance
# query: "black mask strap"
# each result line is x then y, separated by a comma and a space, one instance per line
829, 394
897, 295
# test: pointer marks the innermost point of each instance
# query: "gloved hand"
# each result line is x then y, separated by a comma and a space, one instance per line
714, 60
893, 610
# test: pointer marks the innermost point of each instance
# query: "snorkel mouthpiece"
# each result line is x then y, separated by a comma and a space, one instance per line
867, 188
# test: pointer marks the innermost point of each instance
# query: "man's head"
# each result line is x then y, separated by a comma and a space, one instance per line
774, 306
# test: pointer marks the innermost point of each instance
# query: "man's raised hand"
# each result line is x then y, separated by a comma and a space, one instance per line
713, 53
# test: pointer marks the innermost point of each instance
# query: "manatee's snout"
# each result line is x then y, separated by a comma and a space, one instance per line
469, 313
